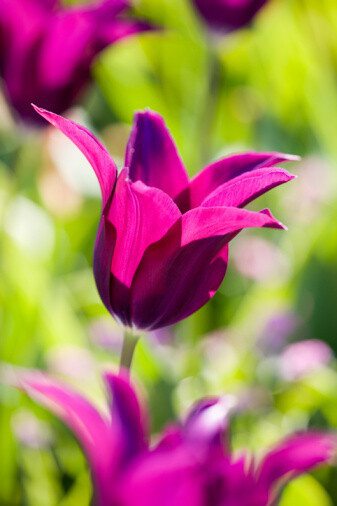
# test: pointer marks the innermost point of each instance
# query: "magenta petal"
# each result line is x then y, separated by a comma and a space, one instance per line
104, 249
75, 35
207, 425
183, 270
238, 192
128, 414
140, 216
297, 454
66, 44
165, 478
218, 173
92, 430
152, 156
93, 150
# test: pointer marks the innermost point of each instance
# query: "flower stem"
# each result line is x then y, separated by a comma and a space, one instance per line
129, 345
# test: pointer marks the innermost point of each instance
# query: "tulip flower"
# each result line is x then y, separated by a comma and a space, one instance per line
162, 244
191, 463
227, 15
46, 50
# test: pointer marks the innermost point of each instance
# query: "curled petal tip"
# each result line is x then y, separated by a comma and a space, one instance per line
38, 109
274, 223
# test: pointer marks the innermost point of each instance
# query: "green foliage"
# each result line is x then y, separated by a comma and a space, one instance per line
276, 89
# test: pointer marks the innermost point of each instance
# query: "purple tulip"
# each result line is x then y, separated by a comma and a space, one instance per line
162, 245
46, 50
228, 15
191, 464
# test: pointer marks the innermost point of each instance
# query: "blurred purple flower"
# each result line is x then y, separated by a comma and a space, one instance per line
228, 15
162, 245
46, 50
277, 331
191, 465
303, 358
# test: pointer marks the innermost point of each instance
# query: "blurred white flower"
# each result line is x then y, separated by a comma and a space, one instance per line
30, 227
70, 162
72, 361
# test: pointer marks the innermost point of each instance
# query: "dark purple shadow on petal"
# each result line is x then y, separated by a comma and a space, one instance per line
172, 282
152, 156
104, 248
128, 413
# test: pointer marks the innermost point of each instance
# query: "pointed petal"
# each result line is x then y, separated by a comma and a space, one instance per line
93, 150
218, 173
140, 216
93, 432
128, 413
182, 271
238, 192
297, 454
152, 156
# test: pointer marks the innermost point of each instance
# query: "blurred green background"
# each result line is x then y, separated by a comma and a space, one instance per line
275, 88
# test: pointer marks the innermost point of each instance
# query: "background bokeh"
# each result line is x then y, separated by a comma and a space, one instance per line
273, 87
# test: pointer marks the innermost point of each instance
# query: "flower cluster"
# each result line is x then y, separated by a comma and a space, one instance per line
191, 463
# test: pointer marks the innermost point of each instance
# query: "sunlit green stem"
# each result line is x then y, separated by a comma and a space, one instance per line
129, 345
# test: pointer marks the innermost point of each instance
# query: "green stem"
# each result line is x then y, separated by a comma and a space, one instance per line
129, 345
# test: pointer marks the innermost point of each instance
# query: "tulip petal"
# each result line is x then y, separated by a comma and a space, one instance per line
164, 477
103, 253
18, 45
140, 216
207, 424
92, 149
297, 454
128, 413
92, 430
76, 35
238, 192
152, 156
68, 45
218, 173
183, 270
